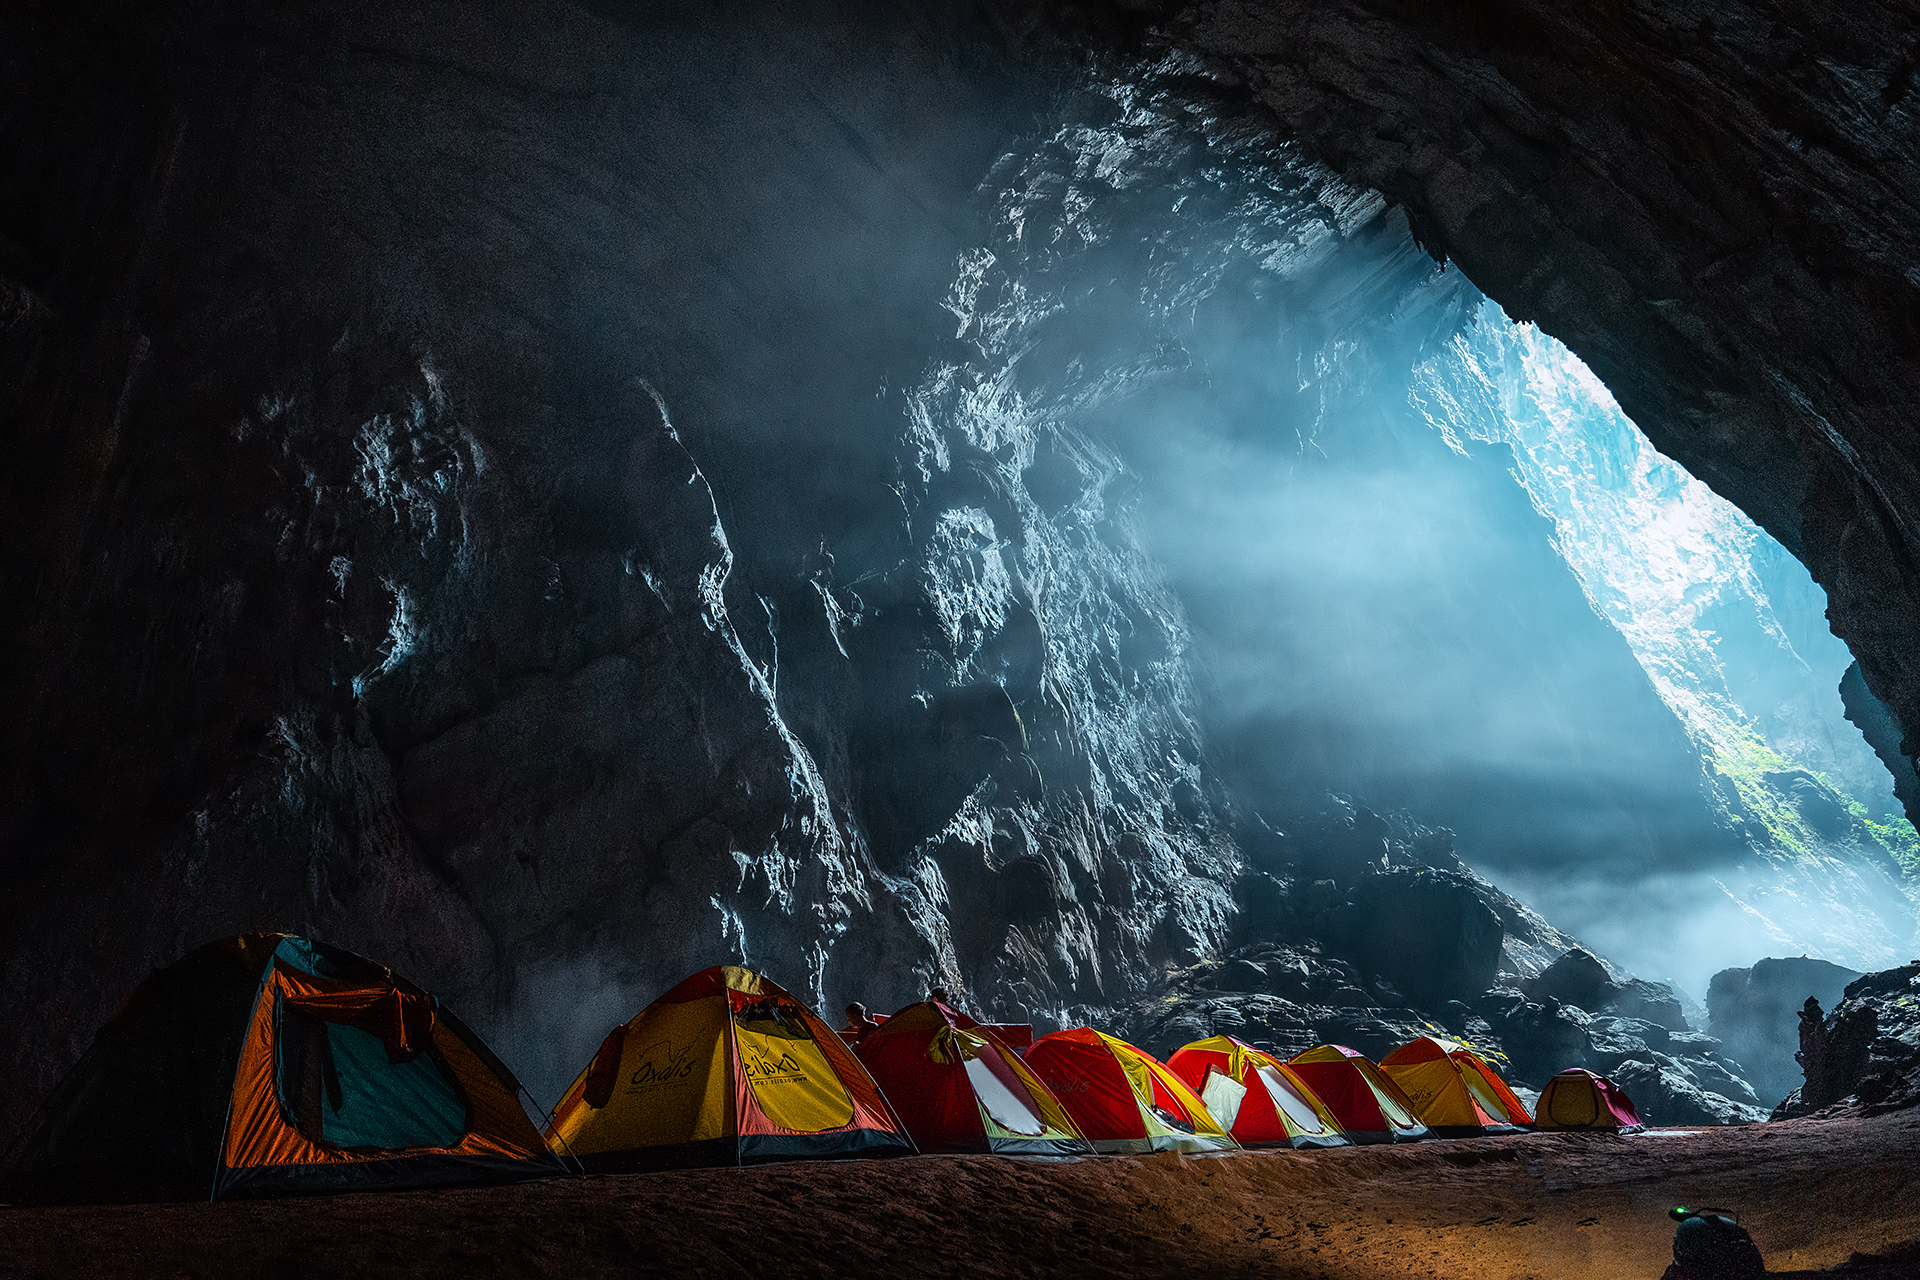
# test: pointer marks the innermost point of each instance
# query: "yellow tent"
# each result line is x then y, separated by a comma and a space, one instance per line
726, 1068
1453, 1090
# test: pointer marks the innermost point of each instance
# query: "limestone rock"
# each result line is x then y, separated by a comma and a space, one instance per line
1755, 1011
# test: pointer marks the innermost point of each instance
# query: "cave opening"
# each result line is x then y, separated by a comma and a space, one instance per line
1411, 554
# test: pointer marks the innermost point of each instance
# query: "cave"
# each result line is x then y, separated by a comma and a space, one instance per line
1057, 500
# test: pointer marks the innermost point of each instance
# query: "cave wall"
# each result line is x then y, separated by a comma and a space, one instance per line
465, 504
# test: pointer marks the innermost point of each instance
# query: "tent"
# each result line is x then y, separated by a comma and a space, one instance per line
959, 1089
1579, 1099
1124, 1101
1454, 1092
726, 1068
1370, 1107
269, 1064
1255, 1095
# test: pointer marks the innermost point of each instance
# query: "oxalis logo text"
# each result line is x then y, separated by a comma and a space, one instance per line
661, 1065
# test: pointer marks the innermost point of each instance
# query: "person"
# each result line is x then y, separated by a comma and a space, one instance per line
859, 1021
939, 996
1710, 1244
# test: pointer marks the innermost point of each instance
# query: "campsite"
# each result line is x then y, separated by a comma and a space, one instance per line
725, 1129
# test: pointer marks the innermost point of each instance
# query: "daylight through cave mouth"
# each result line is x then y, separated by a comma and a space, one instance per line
1410, 554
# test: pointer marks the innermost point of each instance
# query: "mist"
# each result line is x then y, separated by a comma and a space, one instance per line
1424, 561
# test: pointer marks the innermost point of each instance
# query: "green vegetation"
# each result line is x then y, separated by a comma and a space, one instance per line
1743, 758
1900, 839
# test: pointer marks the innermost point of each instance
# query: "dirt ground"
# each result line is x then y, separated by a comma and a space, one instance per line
1555, 1206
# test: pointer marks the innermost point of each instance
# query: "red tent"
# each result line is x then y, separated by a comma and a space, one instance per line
1369, 1106
1123, 1099
1257, 1096
1579, 1099
957, 1088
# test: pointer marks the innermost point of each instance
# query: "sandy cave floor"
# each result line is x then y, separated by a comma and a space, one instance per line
1813, 1193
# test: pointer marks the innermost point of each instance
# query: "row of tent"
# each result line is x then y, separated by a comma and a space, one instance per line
270, 1064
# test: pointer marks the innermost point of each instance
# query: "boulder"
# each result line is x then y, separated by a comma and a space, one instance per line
1619, 1038
1651, 1001
1424, 930
1577, 978
1541, 1040
1240, 975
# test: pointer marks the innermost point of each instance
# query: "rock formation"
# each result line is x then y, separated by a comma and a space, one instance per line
1868, 1055
1755, 1012
1542, 1006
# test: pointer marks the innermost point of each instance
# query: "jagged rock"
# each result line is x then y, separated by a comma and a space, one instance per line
1666, 1092
1755, 1011
1865, 1055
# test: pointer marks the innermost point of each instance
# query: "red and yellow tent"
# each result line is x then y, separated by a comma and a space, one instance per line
1370, 1107
1579, 1099
1124, 1100
1453, 1090
726, 1068
957, 1088
269, 1064
1256, 1096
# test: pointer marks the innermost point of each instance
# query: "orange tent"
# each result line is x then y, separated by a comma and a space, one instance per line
957, 1088
1453, 1090
1369, 1106
1124, 1100
726, 1068
1257, 1097
269, 1064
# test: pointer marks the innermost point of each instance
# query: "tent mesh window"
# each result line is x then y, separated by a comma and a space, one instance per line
339, 1085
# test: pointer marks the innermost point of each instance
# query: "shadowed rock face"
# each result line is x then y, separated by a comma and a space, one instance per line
458, 506
1756, 1011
